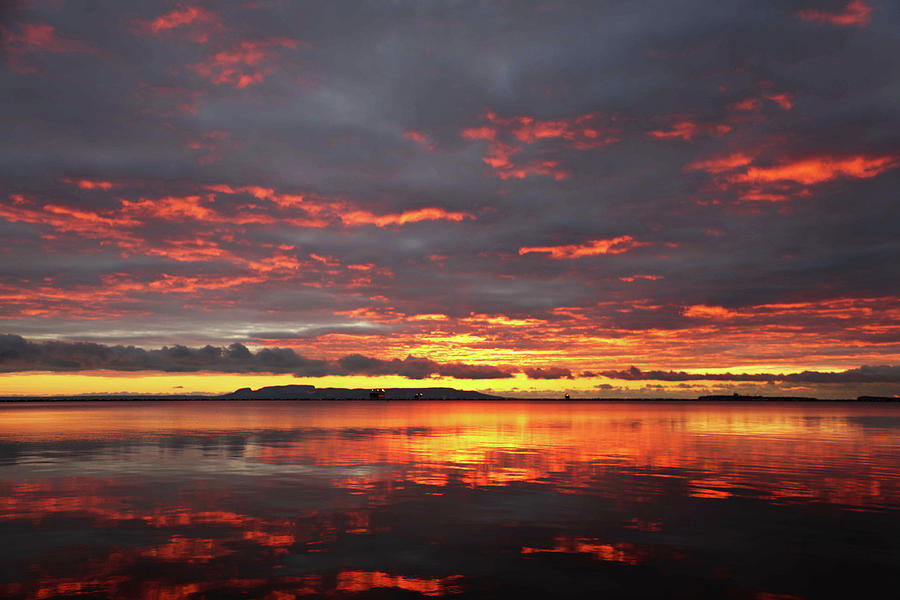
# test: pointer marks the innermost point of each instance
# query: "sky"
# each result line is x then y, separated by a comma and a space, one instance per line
610, 199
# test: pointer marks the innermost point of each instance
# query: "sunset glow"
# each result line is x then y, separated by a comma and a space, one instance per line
525, 200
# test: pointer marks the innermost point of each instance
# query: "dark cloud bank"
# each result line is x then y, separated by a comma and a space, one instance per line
864, 374
18, 354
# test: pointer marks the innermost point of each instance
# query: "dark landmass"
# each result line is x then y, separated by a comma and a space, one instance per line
311, 392
723, 398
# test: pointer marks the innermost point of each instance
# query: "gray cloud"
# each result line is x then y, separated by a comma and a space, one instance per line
18, 355
863, 374
548, 373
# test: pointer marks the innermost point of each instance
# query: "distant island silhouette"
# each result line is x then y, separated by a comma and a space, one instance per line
311, 392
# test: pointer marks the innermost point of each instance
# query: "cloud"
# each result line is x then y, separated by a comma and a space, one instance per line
857, 13
720, 164
18, 354
616, 245
782, 180
246, 63
42, 37
863, 374
819, 169
548, 373
748, 104
418, 368
686, 130
784, 100
509, 137
195, 17
22, 45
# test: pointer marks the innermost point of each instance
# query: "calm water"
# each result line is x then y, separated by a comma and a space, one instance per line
564, 499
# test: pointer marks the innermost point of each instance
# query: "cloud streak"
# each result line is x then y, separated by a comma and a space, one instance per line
863, 374
19, 355
856, 13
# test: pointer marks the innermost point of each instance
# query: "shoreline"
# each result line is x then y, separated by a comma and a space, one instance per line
702, 399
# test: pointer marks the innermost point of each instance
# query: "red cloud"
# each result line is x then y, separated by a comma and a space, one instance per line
172, 208
720, 164
419, 138
784, 100
510, 136
818, 170
178, 17
479, 133
686, 129
132, 223
68, 220
782, 181
38, 37
341, 211
361, 217
616, 245
856, 12
702, 311
751, 104
87, 184
245, 64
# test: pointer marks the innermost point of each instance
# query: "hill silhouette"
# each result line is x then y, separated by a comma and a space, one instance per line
311, 392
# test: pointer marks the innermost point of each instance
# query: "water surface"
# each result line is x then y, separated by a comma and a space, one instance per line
283, 500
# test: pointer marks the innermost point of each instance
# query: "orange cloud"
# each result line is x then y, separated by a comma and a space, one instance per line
362, 217
616, 245
179, 284
428, 317
334, 211
546, 167
509, 136
68, 220
783, 181
857, 12
720, 164
702, 311
686, 129
87, 184
818, 170
756, 195
172, 208
363, 581
195, 250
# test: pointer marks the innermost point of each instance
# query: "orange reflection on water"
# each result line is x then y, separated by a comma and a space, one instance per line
189, 550
621, 552
361, 581
207, 489
835, 453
